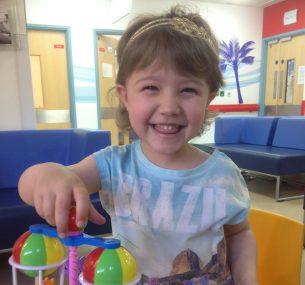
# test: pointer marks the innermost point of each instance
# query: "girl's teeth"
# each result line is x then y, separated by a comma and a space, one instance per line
167, 128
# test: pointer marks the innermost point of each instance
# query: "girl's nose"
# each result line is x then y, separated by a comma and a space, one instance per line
169, 104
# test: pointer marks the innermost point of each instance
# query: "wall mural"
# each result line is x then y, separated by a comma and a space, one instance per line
233, 55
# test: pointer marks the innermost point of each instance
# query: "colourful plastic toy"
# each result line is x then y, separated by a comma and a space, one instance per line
103, 265
39, 252
34, 249
46, 281
73, 260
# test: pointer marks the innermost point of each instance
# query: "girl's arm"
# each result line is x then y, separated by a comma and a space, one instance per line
52, 188
242, 253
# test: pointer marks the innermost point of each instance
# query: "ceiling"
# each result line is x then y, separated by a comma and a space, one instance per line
252, 3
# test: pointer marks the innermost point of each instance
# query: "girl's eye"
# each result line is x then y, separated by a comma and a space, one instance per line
150, 88
189, 91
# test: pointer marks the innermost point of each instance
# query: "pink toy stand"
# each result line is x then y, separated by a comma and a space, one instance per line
40, 269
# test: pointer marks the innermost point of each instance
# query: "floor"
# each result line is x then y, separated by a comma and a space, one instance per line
262, 196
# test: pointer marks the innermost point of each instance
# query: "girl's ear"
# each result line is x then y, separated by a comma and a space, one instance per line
121, 90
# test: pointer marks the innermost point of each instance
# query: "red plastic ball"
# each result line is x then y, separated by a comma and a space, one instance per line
72, 222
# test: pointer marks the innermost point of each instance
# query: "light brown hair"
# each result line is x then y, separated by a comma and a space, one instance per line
180, 38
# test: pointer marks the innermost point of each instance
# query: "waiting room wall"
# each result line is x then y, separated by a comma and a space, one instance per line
244, 23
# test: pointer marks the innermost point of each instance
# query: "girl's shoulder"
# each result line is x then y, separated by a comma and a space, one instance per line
116, 151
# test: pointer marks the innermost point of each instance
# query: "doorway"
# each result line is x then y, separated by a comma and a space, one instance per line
107, 66
284, 87
51, 77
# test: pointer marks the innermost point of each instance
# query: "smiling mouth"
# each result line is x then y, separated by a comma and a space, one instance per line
167, 128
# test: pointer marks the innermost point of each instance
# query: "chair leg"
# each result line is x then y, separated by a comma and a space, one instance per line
277, 192
277, 188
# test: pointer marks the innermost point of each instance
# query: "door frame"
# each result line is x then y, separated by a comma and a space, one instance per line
265, 42
96, 33
67, 31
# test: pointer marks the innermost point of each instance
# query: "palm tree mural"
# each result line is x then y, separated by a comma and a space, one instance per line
233, 55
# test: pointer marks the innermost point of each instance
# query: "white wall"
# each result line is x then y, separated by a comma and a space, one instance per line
16, 103
82, 18
228, 21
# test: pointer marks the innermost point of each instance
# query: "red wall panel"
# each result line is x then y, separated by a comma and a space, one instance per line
273, 17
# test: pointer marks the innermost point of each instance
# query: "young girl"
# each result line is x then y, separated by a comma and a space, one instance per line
182, 213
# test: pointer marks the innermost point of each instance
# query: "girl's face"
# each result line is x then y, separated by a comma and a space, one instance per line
166, 109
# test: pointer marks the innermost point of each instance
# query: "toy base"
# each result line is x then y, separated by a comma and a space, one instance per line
83, 282
40, 270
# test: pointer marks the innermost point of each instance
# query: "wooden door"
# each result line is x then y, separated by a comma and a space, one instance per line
107, 70
284, 59
272, 74
50, 80
287, 71
299, 52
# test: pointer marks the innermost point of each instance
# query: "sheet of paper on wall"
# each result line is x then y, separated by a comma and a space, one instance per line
107, 70
301, 75
290, 17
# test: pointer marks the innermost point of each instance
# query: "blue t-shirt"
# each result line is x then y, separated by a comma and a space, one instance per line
172, 220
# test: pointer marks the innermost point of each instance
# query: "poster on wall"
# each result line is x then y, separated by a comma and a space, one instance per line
241, 73
5, 31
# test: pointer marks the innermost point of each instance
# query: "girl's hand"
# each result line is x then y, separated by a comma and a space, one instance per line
55, 188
